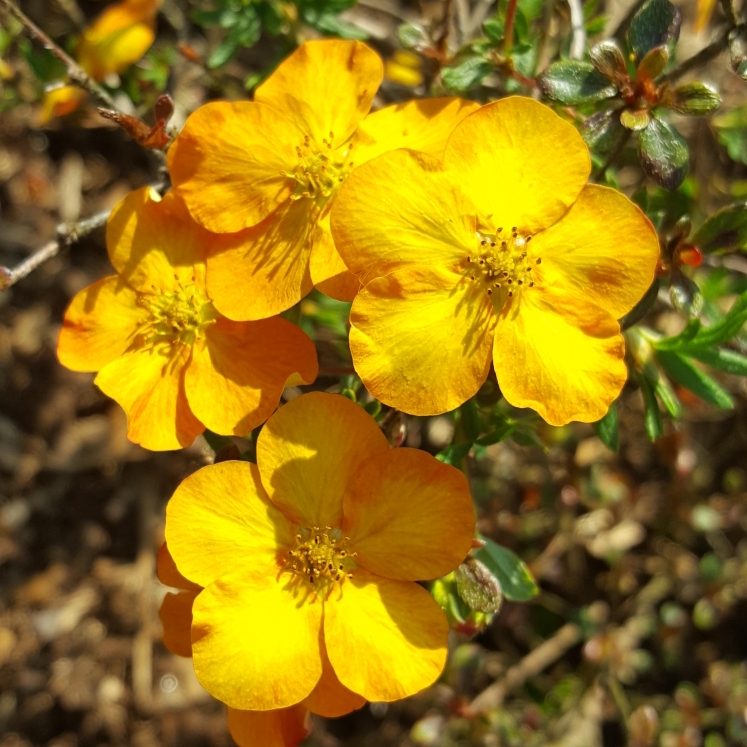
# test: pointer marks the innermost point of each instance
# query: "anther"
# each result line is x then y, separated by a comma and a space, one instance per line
528, 239
539, 260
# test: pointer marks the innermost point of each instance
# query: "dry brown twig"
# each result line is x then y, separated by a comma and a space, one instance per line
67, 234
74, 71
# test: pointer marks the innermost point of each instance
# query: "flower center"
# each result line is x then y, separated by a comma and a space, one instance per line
502, 264
177, 316
320, 556
320, 171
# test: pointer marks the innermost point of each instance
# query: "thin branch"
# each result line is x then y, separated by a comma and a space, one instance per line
66, 235
532, 664
578, 41
75, 72
508, 35
705, 55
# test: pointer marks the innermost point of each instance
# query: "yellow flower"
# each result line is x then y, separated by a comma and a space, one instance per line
121, 35
162, 351
274, 165
308, 562
501, 251
283, 727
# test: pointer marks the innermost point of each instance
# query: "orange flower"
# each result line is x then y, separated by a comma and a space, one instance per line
162, 351
121, 35
308, 560
274, 166
283, 727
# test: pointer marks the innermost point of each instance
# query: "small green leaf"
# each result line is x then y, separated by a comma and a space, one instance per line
653, 421
645, 304
685, 294
225, 52
512, 573
413, 36
478, 587
725, 231
574, 82
722, 330
467, 74
373, 408
728, 361
653, 63
454, 454
501, 433
603, 131
527, 436
223, 17
665, 393
331, 23
685, 373
608, 59
635, 119
469, 414
656, 24
673, 343
493, 29
663, 153
608, 429
697, 99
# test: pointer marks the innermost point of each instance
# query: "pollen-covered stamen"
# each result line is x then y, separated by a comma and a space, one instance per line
321, 170
178, 316
503, 262
320, 556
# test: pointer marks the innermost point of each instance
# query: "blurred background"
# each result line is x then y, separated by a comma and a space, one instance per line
638, 635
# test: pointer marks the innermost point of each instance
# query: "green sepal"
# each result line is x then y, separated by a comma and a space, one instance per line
663, 154
696, 99
608, 429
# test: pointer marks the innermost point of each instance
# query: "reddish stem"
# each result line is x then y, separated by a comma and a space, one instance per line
508, 35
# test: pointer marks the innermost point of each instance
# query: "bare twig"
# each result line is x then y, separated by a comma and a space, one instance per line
66, 235
508, 35
75, 72
705, 55
578, 40
73, 12
532, 664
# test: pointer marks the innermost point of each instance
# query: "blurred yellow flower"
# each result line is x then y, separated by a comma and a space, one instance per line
308, 561
274, 166
500, 252
174, 364
121, 35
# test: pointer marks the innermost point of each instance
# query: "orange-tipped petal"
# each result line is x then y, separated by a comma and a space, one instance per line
285, 727
169, 575
176, 618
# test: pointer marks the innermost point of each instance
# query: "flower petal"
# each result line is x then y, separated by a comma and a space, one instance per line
148, 384
168, 573
423, 125
421, 339
519, 163
408, 516
285, 727
228, 163
386, 639
326, 85
401, 209
604, 246
239, 369
309, 450
176, 618
99, 325
153, 242
328, 272
60, 101
330, 698
264, 270
220, 516
255, 639
559, 354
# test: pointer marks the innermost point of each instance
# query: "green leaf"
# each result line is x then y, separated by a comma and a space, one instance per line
478, 587
722, 330
331, 23
687, 334
454, 454
527, 436
608, 430
470, 419
656, 24
685, 294
685, 373
725, 231
731, 129
663, 153
493, 29
44, 65
223, 17
501, 433
653, 63
697, 99
643, 306
225, 52
603, 131
608, 59
652, 420
467, 74
373, 408
635, 119
512, 573
413, 36
574, 82
728, 361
